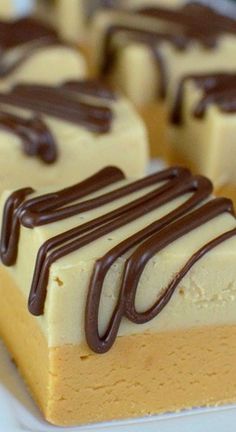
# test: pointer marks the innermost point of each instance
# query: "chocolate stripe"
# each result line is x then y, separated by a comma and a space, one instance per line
189, 23
34, 134
217, 88
10, 65
134, 268
60, 103
143, 245
16, 210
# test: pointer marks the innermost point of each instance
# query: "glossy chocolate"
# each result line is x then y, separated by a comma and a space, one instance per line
24, 31
27, 35
65, 102
217, 89
34, 134
143, 245
187, 24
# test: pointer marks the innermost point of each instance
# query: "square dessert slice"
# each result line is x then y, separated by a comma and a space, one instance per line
59, 134
203, 129
130, 287
147, 51
33, 51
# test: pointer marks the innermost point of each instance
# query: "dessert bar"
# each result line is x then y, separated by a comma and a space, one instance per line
130, 286
148, 50
33, 51
203, 127
61, 134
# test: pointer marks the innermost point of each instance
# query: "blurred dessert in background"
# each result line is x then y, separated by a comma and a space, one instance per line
130, 287
61, 134
69, 17
203, 127
146, 52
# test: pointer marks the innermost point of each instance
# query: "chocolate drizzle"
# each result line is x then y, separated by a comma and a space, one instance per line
217, 88
184, 25
142, 246
34, 134
23, 37
24, 31
64, 102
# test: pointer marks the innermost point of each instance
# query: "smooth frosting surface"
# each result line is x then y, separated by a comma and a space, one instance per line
206, 295
81, 149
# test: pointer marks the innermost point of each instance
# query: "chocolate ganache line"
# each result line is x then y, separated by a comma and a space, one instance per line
45, 209
24, 31
142, 246
24, 37
64, 102
36, 138
189, 23
217, 88
24, 53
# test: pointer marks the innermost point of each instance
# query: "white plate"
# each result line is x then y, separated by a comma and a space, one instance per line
18, 413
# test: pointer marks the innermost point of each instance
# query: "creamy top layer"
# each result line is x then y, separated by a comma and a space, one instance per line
216, 89
20, 39
82, 103
122, 256
152, 26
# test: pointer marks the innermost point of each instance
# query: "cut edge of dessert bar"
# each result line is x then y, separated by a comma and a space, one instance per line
130, 287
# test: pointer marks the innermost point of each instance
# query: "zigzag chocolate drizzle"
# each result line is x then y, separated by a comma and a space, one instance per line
189, 23
144, 244
217, 88
36, 138
63, 102
23, 31
25, 36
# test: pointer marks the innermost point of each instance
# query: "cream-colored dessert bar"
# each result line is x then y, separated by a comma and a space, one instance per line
69, 17
33, 51
130, 287
62, 134
146, 52
203, 126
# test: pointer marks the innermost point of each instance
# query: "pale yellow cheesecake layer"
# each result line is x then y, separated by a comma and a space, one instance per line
142, 374
206, 145
81, 152
135, 67
46, 65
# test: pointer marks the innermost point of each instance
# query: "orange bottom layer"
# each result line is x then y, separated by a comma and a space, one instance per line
142, 374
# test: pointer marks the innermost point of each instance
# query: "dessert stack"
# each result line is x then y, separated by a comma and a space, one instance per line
117, 284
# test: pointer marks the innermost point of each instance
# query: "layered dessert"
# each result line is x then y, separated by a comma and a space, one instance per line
61, 134
130, 287
33, 51
203, 127
148, 50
